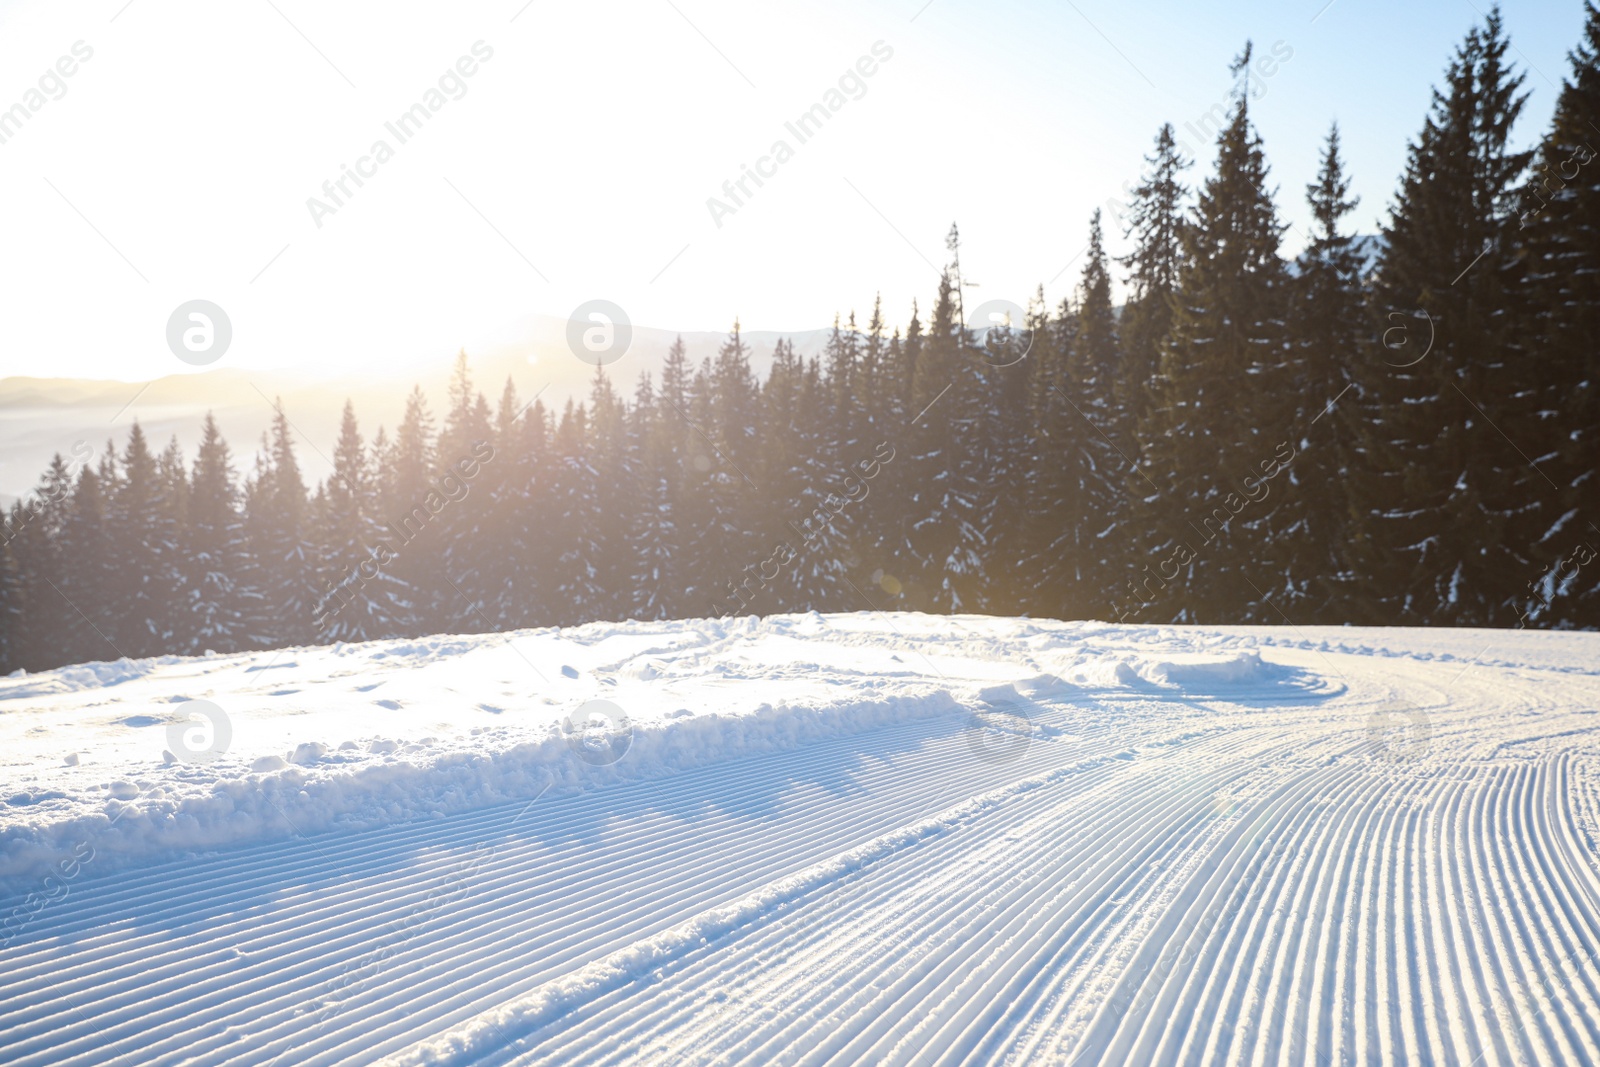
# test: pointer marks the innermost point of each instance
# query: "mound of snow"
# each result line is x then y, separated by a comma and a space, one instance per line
110, 756
315, 790
1210, 672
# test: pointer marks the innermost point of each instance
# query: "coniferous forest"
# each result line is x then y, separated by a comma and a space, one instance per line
1397, 431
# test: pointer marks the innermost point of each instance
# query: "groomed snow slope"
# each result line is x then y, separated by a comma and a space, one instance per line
831, 839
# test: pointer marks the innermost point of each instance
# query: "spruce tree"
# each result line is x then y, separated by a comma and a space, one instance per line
726, 415
1094, 501
881, 402
1316, 530
408, 519
784, 573
359, 596
278, 519
668, 479
85, 584
1006, 349
505, 571
650, 530
945, 528
1558, 241
1155, 224
460, 538
1224, 414
218, 601
38, 537
829, 436
144, 555
887, 556
1456, 509
577, 530
533, 502
615, 496
13, 609
1039, 584
876, 396
742, 587
174, 625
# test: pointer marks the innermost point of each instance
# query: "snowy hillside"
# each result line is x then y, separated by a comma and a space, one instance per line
810, 839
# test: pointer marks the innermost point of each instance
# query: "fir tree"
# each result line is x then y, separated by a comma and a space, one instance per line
727, 414
1092, 499
506, 572
1558, 238
460, 538
1223, 415
82, 593
615, 496
1155, 223
1038, 584
278, 521
1315, 528
1455, 511
360, 598
407, 518
669, 477
947, 530
218, 601
39, 533
651, 532
576, 524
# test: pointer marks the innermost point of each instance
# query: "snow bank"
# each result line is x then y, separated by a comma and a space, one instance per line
1235, 674
1232, 672
78, 677
108, 757
141, 820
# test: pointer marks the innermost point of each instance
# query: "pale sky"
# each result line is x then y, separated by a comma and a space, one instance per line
578, 162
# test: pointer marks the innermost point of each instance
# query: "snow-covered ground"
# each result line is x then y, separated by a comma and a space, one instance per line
810, 839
